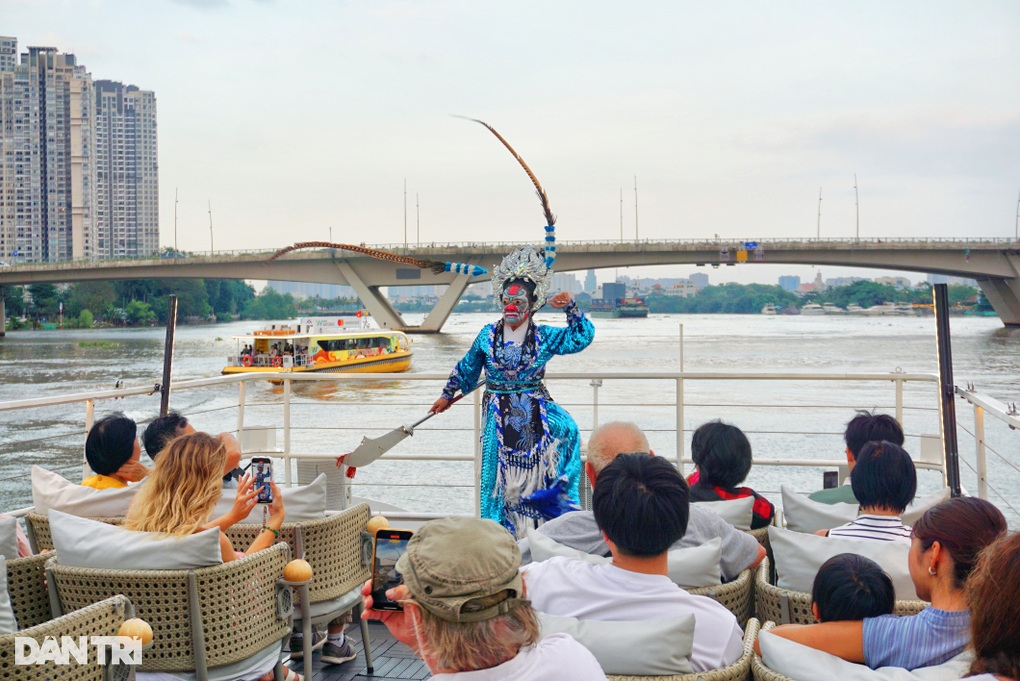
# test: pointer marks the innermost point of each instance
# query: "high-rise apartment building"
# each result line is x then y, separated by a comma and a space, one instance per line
127, 171
55, 127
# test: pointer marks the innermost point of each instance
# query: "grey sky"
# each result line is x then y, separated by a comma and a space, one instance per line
294, 116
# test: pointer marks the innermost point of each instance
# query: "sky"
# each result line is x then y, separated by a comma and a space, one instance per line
295, 118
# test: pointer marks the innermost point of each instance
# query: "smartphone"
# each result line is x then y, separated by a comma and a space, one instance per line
830, 479
262, 467
389, 546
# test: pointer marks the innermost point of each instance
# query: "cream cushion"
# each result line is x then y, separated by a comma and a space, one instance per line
301, 502
801, 663
804, 515
52, 492
691, 567
737, 512
799, 556
8, 625
642, 648
8, 537
81, 542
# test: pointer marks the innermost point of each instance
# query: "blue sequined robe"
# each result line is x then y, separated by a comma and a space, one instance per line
529, 443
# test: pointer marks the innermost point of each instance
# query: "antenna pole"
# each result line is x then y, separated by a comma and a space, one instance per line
175, 218
621, 213
636, 238
405, 213
818, 234
211, 248
1016, 233
857, 203
417, 219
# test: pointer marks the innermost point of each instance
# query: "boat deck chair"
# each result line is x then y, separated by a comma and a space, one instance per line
738, 671
38, 530
332, 546
736, 596
99, 619
782, 606
26, 586
758, 669
212, 623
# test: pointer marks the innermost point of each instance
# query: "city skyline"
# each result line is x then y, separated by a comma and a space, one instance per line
666, 119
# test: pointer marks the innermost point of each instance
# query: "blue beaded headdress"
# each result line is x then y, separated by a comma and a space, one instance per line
524, 263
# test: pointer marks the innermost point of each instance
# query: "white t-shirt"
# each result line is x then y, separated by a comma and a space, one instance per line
557, 657
569, 587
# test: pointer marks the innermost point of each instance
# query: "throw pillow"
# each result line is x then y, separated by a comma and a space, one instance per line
737, 512
50, 491
302, 502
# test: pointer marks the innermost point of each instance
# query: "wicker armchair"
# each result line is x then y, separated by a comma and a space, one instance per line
38, 526
736, 596
775, 604
758, 669
100, 619
738, 671
26, 585
203, 619
332, 546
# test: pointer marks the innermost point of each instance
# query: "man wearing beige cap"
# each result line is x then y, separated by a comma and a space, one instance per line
464, 611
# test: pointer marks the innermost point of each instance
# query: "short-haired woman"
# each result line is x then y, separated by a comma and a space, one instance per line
994, 592
722, 454
947, 541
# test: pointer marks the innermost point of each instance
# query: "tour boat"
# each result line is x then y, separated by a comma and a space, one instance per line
320, 344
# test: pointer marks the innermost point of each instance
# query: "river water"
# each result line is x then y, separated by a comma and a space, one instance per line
798, 419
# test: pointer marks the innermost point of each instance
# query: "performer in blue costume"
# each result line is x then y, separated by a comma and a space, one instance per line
531, 450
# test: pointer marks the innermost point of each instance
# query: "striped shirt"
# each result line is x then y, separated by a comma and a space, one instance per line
880, 527
929, 638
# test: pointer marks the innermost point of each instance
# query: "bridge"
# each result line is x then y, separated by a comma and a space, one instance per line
993, 263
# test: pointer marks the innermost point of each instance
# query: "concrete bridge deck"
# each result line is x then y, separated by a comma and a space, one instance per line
993, 263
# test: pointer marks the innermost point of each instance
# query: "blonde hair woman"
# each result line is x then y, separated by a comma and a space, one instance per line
179, 495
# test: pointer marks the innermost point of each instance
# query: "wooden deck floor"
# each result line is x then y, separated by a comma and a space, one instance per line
391, 660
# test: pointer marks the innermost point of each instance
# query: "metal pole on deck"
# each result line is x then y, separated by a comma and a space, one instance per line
947, 395
168, 355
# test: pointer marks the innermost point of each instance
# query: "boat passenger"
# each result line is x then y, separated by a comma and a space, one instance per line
113, 453
862, 429
641, 504
994, 593
884, 481
163, 429
946, 544
465, 614
722, 456
579, 530
184, 487
851, 587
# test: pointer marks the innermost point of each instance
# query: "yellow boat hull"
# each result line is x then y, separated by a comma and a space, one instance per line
384, 364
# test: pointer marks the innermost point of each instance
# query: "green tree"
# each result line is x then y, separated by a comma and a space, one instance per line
270, 305
96, 296
45, 300
84, 320
14, 300
139, 313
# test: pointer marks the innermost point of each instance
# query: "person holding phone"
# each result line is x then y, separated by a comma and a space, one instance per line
531, 449
184, 486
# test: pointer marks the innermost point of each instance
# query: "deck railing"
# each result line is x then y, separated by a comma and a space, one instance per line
787, 433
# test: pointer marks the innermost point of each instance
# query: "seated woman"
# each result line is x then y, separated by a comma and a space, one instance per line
113, 453
884, 482
185, 485
947, 541
994, 592
722, 455
851, 587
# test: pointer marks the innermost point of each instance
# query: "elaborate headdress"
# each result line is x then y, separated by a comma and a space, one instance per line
524, 263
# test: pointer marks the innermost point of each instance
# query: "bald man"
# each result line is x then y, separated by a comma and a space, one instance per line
579, 530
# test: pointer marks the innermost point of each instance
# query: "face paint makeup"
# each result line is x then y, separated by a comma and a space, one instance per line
516, 305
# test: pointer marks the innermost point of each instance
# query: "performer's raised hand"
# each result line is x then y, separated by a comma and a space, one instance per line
441, 405
560, 300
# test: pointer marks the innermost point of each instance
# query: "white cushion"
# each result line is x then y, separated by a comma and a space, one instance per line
737, 512
801, 663
81, 542
643, 647
804, 515
303, 502
8, 537
50, 491
799, 556
691, 567
8, 625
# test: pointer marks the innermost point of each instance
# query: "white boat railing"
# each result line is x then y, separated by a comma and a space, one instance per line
667, 414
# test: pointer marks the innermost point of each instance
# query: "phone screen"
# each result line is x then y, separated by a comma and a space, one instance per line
263, 476
390, 545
